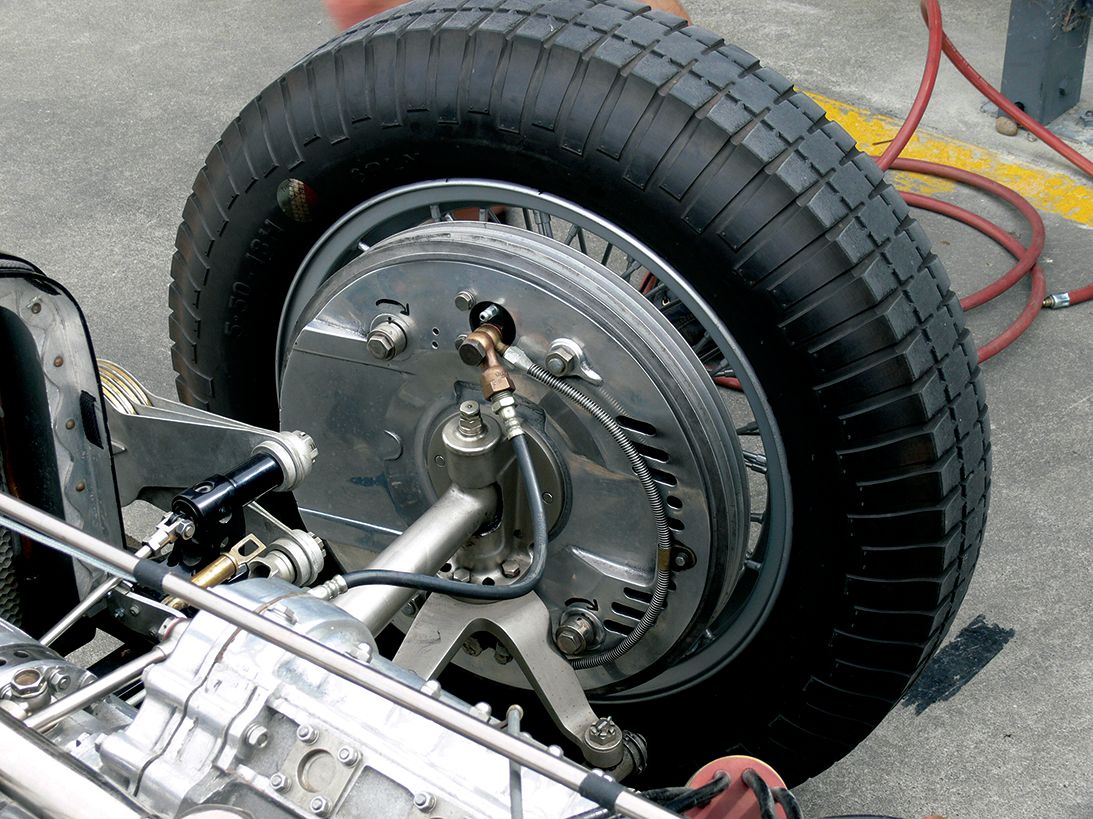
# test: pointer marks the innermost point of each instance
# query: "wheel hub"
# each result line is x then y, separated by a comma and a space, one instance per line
377, 421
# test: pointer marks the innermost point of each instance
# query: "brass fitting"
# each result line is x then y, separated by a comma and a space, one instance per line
483, 348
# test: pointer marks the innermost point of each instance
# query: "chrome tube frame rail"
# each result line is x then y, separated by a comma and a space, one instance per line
33, 523
43, 778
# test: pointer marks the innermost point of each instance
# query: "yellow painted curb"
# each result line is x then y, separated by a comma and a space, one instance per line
1046, 190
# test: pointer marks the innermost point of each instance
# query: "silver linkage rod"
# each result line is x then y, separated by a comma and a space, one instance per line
93, 692
33, 522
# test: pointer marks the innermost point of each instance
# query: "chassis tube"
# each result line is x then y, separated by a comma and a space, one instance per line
423, 548
49, 530
44, 779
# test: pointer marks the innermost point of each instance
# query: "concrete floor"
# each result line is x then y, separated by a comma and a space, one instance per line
108, 109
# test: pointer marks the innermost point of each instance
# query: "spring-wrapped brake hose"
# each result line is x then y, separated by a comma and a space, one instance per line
520, 360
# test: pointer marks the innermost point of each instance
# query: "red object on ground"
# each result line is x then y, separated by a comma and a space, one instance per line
737, 801
1026, 256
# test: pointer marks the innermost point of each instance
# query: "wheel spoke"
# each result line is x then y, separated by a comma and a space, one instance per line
755, 461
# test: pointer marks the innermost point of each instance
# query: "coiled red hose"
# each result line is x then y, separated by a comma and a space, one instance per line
1027, 255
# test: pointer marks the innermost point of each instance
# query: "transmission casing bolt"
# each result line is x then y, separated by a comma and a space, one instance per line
307, 734
320, 806
424, 801
348, 756
279, 782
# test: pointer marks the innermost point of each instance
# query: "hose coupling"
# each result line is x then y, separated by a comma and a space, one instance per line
518, 358
332, 588
1057, 301
504, 407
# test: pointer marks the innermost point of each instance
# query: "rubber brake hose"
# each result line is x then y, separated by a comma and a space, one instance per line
431, 583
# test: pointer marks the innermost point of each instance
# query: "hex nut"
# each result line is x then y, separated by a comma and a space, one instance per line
560, 360
27, 683
510, 568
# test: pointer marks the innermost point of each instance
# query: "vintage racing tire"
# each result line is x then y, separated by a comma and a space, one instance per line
737, 179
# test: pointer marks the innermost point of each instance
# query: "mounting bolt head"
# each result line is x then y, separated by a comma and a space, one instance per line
461, 575
574, 633
307, 734
424, 801
510, 568
465, 299
320, 806
559, 362
348, 756
60, 680
386, 341
279, 782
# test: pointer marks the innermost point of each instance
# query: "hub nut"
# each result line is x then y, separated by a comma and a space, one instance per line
575, 633
386, 340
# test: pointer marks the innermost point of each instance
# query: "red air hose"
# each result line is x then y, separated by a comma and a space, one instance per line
1027, 256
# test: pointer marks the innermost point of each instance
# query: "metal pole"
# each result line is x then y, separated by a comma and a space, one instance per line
47, 781
29, 520
423, 548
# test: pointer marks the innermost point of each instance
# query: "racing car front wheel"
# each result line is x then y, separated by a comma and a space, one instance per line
747, 294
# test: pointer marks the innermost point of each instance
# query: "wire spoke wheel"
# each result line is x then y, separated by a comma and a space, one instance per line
705, 226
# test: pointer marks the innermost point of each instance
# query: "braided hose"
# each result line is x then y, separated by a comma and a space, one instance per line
520, 360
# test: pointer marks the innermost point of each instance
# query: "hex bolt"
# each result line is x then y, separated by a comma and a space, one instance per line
386, 341
510, 568
60, 680
424, 801
307, 734
574, 633
279, 782
560, 359
461, 575
501, 655
472, 351
256, 736
465, 299
320, 806
348, 756
470, 420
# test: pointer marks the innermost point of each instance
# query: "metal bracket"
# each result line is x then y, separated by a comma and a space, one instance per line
163, 446
523, 627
